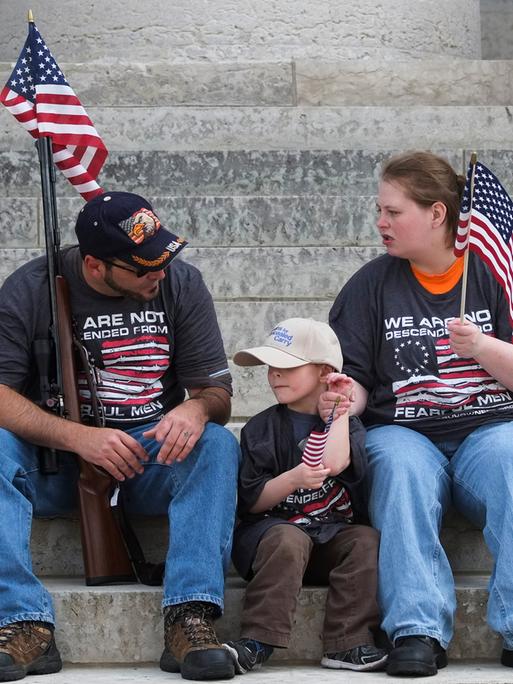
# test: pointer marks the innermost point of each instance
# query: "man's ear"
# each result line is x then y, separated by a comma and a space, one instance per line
94, 267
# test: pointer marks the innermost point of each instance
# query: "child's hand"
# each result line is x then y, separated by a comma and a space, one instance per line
341, 383
306, 477
341, 389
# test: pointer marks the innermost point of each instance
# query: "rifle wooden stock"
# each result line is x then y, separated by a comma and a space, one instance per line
106, 559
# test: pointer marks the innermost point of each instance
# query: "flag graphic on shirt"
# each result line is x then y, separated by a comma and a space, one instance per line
132, 373
486, 226
457, 382
314, 448
334, 501
39, 97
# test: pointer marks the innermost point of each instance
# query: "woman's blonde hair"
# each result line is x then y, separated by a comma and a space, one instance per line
426, 179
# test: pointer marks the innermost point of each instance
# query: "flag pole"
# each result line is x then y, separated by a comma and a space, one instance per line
30, 17
473, 161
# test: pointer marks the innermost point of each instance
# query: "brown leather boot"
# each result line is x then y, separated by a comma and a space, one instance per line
191, 645
27, 648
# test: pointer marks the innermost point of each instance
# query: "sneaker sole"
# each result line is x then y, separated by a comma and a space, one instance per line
236, 663
341, 665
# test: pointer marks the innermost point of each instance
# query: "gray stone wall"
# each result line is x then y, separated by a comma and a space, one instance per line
497, 29
233, 30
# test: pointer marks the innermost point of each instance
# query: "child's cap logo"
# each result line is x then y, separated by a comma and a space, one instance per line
282, 336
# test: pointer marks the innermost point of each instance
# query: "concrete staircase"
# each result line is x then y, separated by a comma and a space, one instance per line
270, 170
123, 624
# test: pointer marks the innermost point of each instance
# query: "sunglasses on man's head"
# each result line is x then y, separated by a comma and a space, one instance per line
138, 272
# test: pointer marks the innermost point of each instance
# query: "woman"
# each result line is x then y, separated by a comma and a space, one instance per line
435, 396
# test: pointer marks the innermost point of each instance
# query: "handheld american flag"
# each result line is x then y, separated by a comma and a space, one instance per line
41, 99
486, 226
316, 443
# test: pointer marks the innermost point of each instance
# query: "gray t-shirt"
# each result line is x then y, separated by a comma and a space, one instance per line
145, 353
395, 341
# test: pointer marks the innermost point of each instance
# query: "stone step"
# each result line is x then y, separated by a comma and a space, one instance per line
218, 31
56, 549
123, 624
441, 81
257, 273
247, 199
205, 129
458, 672
165, 176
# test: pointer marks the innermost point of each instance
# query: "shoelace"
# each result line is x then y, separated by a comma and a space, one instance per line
199, 631
8, 632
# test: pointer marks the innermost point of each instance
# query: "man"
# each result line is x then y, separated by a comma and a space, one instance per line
151, 333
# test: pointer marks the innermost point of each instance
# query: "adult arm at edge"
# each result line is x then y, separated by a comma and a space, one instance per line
359, 403
115, 451
493, 354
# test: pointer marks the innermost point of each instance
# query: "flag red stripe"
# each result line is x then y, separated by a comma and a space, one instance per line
45, 105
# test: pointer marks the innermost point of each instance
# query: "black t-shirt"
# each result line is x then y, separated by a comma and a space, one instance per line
145, 353
396, 344
313, 509
270, 446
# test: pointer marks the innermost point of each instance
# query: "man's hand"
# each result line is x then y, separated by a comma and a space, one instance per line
178, 431
306, 477
465, 338
113, 450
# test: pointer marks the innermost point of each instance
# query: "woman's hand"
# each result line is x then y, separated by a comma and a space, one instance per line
465, 338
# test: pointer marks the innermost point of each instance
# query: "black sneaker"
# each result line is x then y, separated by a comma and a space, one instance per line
507, 658
416, 656
191, 645
248, 654
361, 658
27, 648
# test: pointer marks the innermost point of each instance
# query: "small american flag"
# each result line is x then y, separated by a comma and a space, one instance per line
40, 98
486, 225
316, 442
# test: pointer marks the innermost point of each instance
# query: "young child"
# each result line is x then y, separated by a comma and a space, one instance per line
298, 520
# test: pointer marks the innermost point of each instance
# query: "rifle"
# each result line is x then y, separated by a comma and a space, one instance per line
106, 559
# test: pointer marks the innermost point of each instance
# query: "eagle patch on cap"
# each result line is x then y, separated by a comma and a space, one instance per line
141, 225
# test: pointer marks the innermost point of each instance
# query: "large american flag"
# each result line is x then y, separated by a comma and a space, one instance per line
41, 99
486, 225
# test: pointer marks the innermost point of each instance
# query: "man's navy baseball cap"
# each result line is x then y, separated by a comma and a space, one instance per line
121, 225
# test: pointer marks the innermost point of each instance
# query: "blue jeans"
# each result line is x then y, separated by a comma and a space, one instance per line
198, 495
412, 482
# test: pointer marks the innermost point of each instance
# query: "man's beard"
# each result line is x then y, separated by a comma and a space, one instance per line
108, 280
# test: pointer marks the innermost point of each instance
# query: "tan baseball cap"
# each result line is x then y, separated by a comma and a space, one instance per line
295, 342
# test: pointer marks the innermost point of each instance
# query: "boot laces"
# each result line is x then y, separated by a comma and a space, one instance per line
8, 632
198, 630
195, 619
11, 631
